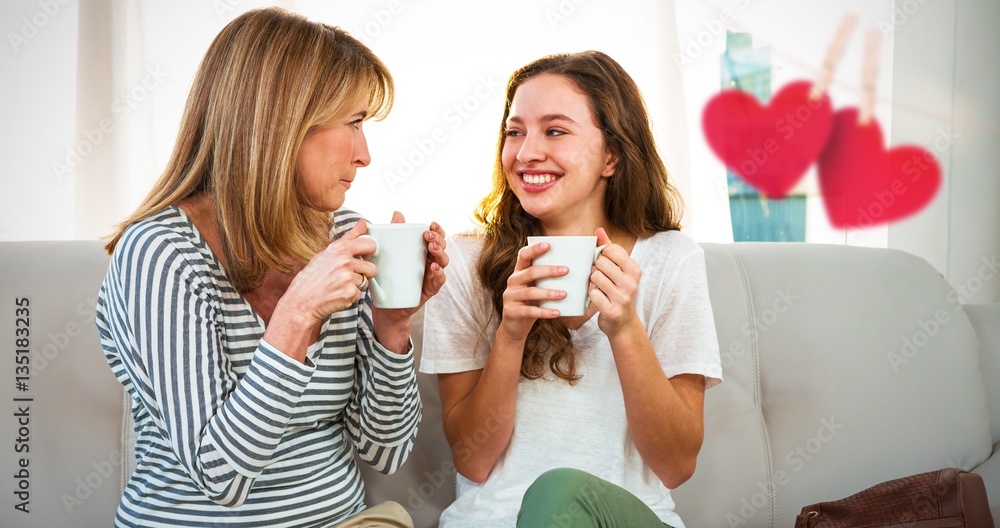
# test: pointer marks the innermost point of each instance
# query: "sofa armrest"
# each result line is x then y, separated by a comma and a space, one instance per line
990, 471
986, 320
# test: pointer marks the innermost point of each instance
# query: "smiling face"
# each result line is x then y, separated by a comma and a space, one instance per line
328, 160
554, 154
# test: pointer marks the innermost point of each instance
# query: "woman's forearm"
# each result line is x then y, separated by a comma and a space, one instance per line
480, 425
665, 427
393, 333
385, 409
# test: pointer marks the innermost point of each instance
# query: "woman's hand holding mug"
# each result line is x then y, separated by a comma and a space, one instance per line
392, 324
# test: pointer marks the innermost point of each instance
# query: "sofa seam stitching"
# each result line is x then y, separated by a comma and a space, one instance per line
758, 398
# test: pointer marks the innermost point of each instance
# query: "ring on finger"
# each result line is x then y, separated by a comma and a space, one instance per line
364, 282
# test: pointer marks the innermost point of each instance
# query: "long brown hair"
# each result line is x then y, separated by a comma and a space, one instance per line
640, 199
267, 78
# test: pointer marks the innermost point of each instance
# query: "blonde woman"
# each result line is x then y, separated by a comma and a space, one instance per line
234, 310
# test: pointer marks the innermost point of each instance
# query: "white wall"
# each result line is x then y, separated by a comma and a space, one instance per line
945, 84
37, 104
974, 222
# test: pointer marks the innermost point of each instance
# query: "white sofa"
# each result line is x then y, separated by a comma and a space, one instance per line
844, 367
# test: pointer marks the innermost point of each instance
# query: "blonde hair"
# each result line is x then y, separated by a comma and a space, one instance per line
266, 80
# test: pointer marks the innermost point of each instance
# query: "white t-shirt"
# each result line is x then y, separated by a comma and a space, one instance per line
579, 426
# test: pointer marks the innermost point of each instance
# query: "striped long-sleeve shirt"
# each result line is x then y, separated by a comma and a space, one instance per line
231, 431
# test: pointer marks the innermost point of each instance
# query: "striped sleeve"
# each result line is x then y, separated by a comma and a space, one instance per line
222, 429
385, 409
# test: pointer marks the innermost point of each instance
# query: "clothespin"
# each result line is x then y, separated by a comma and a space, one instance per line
869, 72
833, 53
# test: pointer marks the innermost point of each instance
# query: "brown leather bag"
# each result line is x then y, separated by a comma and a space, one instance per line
947, 498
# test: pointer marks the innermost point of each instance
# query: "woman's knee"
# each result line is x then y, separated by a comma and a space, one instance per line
566, 482
559, 495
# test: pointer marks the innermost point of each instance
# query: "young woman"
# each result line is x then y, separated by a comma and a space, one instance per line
234, 310
573, 421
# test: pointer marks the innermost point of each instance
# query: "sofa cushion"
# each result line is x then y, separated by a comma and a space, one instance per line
70, 432
862, 372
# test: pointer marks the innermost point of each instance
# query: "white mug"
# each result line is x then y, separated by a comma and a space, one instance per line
400, 256
578, 253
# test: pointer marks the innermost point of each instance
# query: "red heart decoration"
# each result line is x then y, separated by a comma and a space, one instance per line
769, 147
863, 184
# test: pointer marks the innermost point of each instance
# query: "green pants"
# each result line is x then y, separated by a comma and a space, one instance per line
570, 498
